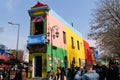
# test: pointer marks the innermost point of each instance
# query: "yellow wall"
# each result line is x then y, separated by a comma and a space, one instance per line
31, 58
74, 52
39, 12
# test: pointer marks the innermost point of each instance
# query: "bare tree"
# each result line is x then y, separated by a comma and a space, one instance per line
105, 26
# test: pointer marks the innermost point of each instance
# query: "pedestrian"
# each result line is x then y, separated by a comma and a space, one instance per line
23, 74
50, 75
112, 72
69, 74
60, 75
18, 75
63, 72
97, 68
103, 73
7, 74
78, 74
90, 73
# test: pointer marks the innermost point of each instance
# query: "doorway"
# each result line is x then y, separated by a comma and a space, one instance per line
38, 66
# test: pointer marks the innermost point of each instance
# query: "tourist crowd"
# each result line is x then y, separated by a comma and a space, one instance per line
88, 72
13, 72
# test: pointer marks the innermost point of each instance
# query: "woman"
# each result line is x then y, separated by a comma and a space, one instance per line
60, 75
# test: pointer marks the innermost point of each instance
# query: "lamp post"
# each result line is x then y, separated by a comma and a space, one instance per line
52, 32
17, 37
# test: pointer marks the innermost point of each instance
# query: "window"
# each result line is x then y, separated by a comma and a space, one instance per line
72, 42
78, 45
39, 28
64, 37
79, 61
73, 61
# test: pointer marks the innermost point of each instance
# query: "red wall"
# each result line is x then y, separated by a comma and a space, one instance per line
88, 52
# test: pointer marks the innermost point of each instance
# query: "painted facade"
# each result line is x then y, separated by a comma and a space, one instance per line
49, 55
75, 54
95, 55
52, 42
72, 50
88, 52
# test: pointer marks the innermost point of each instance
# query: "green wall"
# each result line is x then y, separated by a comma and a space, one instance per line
58, 54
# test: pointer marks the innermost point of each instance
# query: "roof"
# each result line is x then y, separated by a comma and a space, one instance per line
52, 12
39, 5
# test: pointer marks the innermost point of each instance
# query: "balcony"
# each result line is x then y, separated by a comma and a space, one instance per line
36, 39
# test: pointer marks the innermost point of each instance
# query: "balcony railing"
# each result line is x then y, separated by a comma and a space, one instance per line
36, 39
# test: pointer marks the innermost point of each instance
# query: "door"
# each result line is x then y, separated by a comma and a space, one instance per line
38, 66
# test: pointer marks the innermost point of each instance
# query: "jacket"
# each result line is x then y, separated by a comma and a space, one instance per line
90, 76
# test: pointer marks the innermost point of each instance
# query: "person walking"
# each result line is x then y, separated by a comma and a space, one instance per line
90, 73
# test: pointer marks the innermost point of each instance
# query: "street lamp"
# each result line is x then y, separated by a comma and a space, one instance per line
52, 32
17, 37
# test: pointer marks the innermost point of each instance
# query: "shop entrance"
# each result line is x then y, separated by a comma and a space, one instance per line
38, 66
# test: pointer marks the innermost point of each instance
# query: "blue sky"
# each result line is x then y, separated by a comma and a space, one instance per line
16, 11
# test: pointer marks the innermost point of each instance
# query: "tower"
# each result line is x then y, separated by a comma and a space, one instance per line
37, 40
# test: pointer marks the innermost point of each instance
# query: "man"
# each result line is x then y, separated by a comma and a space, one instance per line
78, 74
113, 71
90, 74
